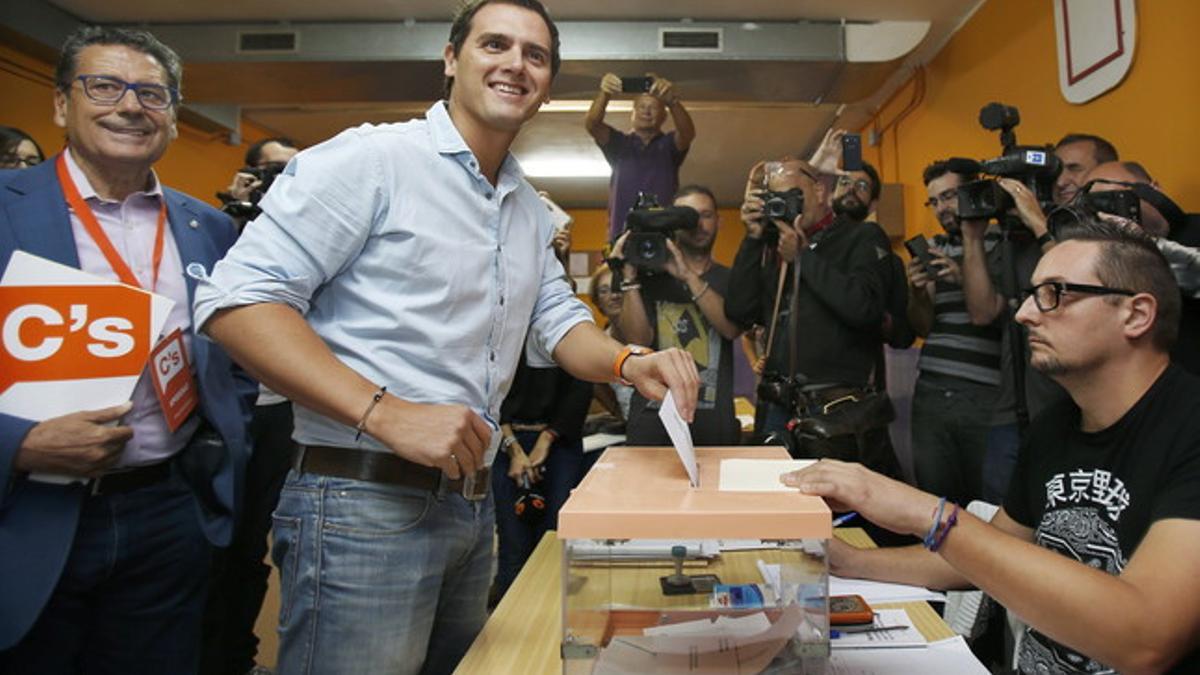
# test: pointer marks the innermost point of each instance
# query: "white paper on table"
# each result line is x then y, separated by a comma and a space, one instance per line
42, 400
909, 637
681, 437
594, 442
758, 475
771, 575
951, 656
880, 591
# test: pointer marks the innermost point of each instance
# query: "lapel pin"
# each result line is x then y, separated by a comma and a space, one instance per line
193, 224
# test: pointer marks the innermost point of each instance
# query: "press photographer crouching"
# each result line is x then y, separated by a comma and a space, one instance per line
824, 339
674, 297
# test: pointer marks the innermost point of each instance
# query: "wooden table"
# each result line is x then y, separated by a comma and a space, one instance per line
523, 634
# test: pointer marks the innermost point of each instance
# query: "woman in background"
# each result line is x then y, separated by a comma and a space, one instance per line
18, 150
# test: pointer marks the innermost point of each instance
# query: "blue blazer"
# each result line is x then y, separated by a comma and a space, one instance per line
38, 520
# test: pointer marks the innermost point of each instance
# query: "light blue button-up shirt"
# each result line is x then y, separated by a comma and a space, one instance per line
414, 270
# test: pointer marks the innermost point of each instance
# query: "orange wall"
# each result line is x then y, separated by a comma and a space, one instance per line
1007, 53
196, 163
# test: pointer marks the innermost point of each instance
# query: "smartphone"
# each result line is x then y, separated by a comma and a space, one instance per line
636, 85
849, 610
852, 152
918, 248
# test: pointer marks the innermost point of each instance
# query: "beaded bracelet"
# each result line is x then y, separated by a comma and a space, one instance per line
937, 521
950, 523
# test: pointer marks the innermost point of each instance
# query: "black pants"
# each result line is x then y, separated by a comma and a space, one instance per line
240, 575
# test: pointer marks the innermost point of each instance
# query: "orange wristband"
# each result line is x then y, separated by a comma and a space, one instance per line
628, 351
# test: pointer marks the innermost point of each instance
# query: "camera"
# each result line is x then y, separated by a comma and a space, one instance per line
1037, 167
1124, 203
248, 209
786, 206
779, 389
649, 226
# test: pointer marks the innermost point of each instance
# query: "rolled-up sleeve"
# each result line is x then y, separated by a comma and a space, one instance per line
316, 218
555, 313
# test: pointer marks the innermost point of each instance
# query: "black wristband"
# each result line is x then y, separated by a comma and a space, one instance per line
1046, 238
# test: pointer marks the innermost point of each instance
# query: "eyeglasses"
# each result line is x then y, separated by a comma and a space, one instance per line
945, 197
862, 184
19, 161
109, 90
1048, 294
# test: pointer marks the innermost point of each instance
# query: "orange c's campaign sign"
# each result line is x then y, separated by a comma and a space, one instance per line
50, 333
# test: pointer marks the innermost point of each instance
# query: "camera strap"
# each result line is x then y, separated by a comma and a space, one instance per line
793, 311
775, 312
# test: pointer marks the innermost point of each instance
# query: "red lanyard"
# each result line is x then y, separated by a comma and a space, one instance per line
84, 213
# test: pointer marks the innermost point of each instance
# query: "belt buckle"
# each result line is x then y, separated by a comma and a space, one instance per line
474, 490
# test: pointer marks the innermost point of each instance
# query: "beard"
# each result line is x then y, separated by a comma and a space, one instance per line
851, 207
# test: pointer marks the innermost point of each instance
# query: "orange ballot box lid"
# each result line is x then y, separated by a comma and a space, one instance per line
644, 493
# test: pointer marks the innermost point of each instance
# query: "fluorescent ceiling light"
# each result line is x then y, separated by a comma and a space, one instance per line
565, 167
572, 106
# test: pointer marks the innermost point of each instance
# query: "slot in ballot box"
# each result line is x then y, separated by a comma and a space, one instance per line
759, 603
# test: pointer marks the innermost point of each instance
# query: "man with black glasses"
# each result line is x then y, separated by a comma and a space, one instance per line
1097, 544
108, 571
959, 369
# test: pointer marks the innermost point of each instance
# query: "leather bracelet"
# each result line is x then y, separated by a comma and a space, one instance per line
628, 351
362, 422
1046, 238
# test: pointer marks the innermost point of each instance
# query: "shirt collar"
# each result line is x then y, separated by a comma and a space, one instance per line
88, 192
448, 141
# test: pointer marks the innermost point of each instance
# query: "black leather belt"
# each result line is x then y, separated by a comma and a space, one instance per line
385, 467
120, 482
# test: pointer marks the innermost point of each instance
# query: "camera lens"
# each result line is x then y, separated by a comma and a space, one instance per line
646, 249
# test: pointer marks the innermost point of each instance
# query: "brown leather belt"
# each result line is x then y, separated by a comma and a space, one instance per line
120, 482
385, 467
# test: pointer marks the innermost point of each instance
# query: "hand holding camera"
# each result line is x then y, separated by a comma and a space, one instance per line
1026, 205
611, 84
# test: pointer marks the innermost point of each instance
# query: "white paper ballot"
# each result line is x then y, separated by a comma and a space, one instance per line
681, 437
758, 475
909, 636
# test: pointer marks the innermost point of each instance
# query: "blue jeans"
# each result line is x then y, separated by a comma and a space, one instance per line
378, 578
517, 539
949, 434
1003, 445
131, 596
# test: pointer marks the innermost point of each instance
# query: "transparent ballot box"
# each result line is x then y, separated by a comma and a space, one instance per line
659, 576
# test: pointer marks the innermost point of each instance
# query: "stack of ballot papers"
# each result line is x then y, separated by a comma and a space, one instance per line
900, 633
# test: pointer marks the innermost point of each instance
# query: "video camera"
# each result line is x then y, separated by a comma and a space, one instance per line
786, 206
649, 226
1037, 167
1086, 205
249, 209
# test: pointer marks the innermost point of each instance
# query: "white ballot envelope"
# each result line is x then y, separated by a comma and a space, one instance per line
681, 437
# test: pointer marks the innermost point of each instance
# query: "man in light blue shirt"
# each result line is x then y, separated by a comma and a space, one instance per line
387, 289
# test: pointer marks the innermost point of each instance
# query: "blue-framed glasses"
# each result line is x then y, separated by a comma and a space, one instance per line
108, 90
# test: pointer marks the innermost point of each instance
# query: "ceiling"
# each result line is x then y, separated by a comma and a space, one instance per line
786, 72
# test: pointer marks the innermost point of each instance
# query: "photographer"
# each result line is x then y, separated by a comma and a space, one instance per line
1079, 154
1160, 217
959, 369
684, 308
264, 160
645, 159
824, 338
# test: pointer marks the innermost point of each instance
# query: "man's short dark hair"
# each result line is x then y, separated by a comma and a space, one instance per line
940, 168
876, 186
1102, 150
254, 153
140, 40
1130, 259
695, 189
461, 28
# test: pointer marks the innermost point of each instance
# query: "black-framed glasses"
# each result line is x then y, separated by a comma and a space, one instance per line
108, 90
861, 184
945, 197
1048, 294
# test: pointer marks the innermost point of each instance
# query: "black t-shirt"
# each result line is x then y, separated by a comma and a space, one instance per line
679, 322
1093, 496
